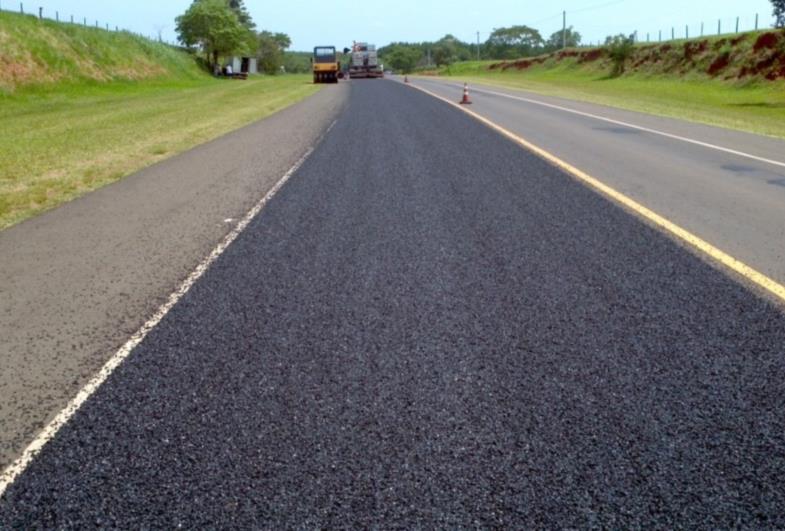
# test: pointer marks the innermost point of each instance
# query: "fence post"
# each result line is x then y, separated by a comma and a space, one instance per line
647, 37
673, 34
40, 13
72, 19
659, 39
701, 29
85, 22
737, 24
687, 32
719, 26
756, 22
21, 8
57, 16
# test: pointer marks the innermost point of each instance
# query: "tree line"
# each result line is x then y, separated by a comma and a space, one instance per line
503, 43
224, 28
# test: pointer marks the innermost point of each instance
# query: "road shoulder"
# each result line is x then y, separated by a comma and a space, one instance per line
76, 282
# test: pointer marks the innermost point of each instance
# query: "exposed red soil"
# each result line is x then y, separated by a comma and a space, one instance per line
766, 41
591, 55
523, 64
693, 48
567, 53
719, 64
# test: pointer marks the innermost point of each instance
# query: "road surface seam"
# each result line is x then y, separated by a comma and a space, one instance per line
48, 433
633, 126
758, 278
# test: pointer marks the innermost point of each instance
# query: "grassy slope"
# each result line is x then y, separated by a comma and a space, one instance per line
70, 133
662, 83
34, 52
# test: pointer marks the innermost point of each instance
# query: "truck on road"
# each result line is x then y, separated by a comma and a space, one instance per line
364, 61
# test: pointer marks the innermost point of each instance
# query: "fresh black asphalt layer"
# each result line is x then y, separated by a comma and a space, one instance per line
430, 327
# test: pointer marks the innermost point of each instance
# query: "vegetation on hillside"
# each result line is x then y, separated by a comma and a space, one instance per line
744, 57
37, 52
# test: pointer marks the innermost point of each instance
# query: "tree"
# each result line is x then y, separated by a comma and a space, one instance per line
779, 13
620, 48
555, 41
238, 6
214, 27
402, 58
297, 62
514, 42
271, 47
443, 54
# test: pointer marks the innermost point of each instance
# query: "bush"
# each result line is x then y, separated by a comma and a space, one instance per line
619, 48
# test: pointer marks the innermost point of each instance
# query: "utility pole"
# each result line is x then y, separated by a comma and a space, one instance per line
564, 30
478, 45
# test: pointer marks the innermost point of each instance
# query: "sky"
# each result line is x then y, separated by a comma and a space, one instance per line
339, 22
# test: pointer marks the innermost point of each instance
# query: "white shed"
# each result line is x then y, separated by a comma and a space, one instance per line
243, 65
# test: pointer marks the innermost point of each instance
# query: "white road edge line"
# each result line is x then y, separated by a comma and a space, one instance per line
13, 471
627, 124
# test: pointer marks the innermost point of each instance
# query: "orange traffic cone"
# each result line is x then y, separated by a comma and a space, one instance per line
465, 100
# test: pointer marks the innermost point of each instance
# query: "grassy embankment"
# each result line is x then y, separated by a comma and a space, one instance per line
82, 107
736, 82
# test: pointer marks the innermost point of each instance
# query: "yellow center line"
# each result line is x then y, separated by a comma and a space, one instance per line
768, 284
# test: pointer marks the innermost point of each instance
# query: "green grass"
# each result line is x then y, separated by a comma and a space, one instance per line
61, 142
82, 107
44, 52
671, 86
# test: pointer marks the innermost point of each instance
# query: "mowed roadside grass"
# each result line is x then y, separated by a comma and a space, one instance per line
56, 145
756, 107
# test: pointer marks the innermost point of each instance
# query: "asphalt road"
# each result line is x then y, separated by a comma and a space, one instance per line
733, 202
430, 327
76, 282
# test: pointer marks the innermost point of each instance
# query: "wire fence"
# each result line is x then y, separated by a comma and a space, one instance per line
69, 18
708, 28
718, 27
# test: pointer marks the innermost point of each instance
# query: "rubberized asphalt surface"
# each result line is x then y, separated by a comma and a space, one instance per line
430, 327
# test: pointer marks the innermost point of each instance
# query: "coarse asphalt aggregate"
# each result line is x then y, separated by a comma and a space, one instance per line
431, 327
